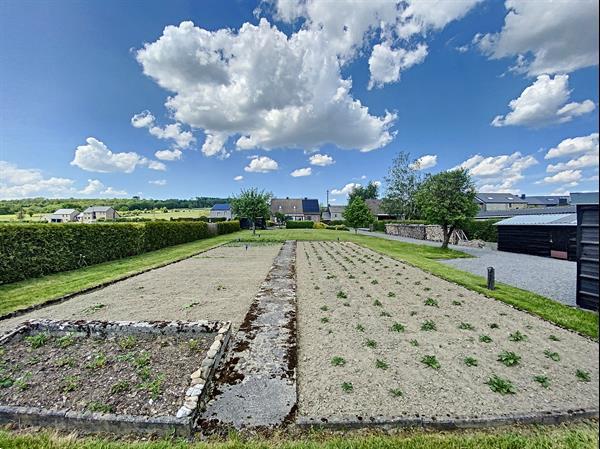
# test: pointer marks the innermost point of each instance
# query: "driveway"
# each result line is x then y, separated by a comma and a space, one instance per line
553, 278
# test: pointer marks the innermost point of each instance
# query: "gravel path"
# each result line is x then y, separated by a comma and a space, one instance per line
553, 278
353, 362
218, 284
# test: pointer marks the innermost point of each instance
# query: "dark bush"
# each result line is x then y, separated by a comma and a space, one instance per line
290, 224
481, 230
159, 234
227, 227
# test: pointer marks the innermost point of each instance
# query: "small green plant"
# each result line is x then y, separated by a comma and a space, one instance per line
6, 381
391, 295
431, 361
153, 387
66, 340
553, 338
317, 287
470, 361
398, 327
127, 342
347, 387
457, 303
65, 361
485, 339
427, 289
542, 380
583, 376
384, 313
70, 383
466, 326
414, 343
552, 355
374, 282
428, 325
338, 361
396, 392
494, 326
360, 328
142, 360
509, 358
98, 361
341, 295
22, 382
120, 387
324, 308
94, 308
381, 364
38, 340
377, 303
431, 302
346, 304
324, 320
413, 312
99, 407
499, 385
144, 373
371, 343
517, 336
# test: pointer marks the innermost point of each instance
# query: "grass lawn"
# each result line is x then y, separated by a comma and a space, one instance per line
569, 436
158, 214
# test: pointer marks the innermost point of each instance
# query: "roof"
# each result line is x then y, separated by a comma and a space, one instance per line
531, 211
501, 198
289, 206
584, 198
97, 209
65, 211
545, 200
221, 206
541, 220
311, 206
337, 209
375, 206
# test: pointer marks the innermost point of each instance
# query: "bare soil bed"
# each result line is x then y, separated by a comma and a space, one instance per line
219, 285
379, 338
133, 375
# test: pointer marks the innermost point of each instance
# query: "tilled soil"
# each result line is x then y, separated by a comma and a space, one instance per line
219, 285
142, 375
362, 320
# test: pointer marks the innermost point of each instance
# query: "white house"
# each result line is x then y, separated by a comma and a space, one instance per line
102, 213
63, 216
222, 210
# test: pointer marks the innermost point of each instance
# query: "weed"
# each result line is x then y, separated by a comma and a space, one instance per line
94, 308
499, 385
360, 328
317, 287
397, 327
582, 376
70, 383
347, 387
413, 312
21, 383
324, 320
485, 339
324, 308
414, 343
384, 313
346, 304
66, 361
431, 302
154, 387
494, 326
396, 392
553, 338
457, 303
377, 303
371, 343
428, 325
374, 281
127, 342
509, 358
542, 380
142, 360
552, 355
427, 289
431, 361
517, 336
144, 373
466, 326
381, 364
341, 295
391, 295
338, 361
351, 276
66, 341
99, 407
97, 362
120, 387
470, 361
6, 381
38, 340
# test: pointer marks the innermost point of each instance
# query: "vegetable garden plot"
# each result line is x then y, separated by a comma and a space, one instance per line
381, 340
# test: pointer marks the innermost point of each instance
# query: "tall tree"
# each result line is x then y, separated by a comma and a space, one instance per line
252, 204
447, 199
368, 192
357, 214
402, 182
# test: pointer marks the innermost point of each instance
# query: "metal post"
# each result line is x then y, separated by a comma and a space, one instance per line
491, 278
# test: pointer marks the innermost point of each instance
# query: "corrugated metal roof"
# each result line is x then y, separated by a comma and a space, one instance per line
527, 211
485, 197
584, 198
541, 220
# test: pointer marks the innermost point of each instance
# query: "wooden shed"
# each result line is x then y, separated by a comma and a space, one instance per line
587, 256
540, 235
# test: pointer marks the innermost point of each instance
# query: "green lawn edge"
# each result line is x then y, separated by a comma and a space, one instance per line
425, 257
580, 435
31, 292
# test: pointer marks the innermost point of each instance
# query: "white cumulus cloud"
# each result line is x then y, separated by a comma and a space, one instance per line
571, 177
261, 164
544, 103
238, 178
168, 155
158, 182
346, 190
425, 162
16, 182
93, 186
575, 145
173, 131
300, 172
322, 160
112, 192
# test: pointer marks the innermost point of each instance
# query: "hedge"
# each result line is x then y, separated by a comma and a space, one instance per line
227, 227
32, 250
290, 224
481, 230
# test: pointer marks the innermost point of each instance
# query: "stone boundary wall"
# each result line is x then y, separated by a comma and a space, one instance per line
196, 395
420, 232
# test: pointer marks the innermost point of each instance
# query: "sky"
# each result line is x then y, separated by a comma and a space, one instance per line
194, 98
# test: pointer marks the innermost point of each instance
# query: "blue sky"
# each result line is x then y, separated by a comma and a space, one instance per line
259, 90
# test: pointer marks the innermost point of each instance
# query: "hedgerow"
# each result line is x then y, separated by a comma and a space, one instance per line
227, 227
290, 224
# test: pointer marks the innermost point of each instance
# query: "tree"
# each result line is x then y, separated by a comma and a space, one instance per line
357, 214
252, 204
447, 199
403, 181
368, 192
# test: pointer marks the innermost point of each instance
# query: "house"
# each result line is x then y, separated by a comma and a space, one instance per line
499, 201
545, 235
220, 211
501, 214
296, 209
333, 213
103, 213
374, 206
63, 216
545, 201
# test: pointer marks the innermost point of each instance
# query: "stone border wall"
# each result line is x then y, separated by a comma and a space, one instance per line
420, 232
196, 395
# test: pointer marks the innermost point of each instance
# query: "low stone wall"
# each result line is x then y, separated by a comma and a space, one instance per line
420, 232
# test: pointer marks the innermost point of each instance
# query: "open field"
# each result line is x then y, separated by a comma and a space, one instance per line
26, 218
378, 338
159, 214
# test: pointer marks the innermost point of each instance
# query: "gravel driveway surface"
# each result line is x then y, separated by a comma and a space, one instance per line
553, 278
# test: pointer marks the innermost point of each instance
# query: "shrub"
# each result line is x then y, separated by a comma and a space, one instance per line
227, 227
158, 234
481, 230
319, 225
290, 224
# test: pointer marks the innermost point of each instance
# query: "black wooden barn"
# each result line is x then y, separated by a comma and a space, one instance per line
552, 235
587, 256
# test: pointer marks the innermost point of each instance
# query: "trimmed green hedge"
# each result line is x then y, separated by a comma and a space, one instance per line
227, 227
481, 230
290, 224
32, 250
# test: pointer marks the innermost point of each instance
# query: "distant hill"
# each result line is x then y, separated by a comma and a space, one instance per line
47, 205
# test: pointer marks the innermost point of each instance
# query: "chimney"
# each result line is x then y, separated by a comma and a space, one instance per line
523, 196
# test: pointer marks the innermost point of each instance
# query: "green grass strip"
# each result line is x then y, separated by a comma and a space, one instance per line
424, 257
19, 295
567, 436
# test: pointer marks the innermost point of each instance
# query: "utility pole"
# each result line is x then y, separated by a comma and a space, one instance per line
327, 197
